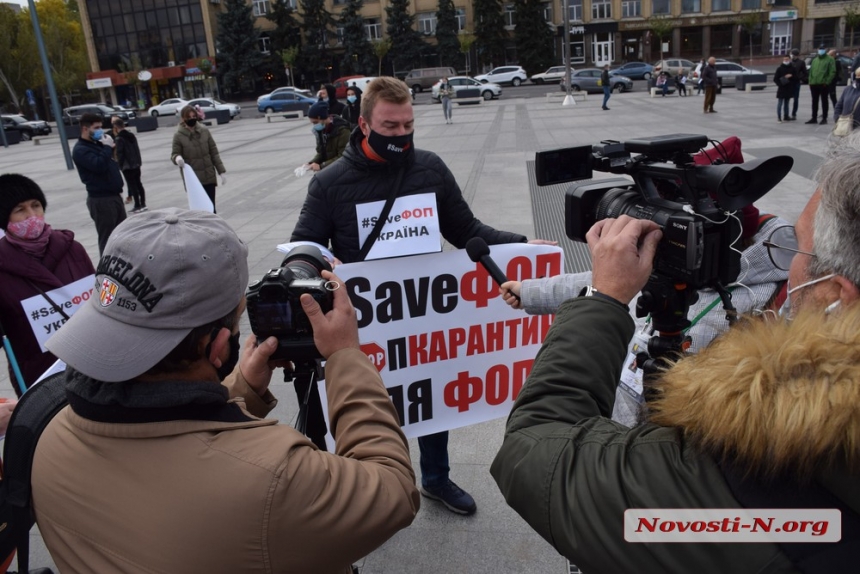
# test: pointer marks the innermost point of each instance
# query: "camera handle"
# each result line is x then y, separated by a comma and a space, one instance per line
310, 420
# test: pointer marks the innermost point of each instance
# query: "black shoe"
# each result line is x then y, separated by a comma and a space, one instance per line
812, 121
455, 498
793, 118
790, 119
823, 121
605, 109
713, 111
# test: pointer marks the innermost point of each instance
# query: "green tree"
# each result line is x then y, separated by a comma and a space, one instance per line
751, 23
467, 40
406, 43
287, 32
490, 33
661, 26
290, 57
10, 69
238, 46
317, 23
446, 34
852, 19
533, 37
380, 50
357, 52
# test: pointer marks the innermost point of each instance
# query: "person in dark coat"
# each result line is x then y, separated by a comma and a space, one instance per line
800, 74
353, 106
837, 79
33, 256
335, 107
711, 82
847, 103
331, 133
785, 80
129, 160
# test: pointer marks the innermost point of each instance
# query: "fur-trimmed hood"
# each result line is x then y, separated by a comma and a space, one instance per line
777, 396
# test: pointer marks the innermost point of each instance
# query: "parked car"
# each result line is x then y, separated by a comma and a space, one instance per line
587, 78
341, 84
847, 69
634, 71
72, 115
130, 111
488, 91
673, 65
168, 107
285, 101
300, 91
554, 74
513, 75
727, 71
28, 129
423, 78
209, 105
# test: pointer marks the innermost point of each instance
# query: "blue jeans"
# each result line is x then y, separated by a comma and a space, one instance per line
434, 459
796, 97
782, 104
606, 92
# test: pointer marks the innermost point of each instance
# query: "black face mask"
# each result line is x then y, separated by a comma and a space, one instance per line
393, 149
191, 122
226, 366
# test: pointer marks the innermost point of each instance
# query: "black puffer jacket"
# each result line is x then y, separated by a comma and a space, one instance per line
329, 210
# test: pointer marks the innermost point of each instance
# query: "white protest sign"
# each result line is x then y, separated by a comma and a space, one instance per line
44, 319
451, 352
197, 198
411, 228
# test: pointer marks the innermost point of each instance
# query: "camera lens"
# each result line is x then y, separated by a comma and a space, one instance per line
306, 262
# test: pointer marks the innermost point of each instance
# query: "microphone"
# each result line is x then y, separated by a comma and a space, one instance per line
479, 252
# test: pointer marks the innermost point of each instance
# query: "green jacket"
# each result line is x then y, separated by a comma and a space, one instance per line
822, 70
571, 472
330, 144
198, 149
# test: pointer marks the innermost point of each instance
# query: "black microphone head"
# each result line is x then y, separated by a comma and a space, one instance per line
477, 248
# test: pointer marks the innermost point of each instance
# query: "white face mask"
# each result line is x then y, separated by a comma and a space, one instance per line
785, 310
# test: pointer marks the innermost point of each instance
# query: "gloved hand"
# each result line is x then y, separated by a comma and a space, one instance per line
223, 179
179, 161
107, 140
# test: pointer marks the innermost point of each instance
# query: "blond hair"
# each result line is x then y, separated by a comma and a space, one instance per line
385, 88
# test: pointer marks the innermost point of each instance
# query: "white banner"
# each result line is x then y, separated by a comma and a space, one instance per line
45, 320
452, 353
411, 227
197, 198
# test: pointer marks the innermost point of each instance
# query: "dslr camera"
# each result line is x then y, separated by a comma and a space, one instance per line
275, 310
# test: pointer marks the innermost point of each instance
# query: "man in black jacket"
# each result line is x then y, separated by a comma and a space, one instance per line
129, 160
800, 74
93, 156
381, 155
711, 82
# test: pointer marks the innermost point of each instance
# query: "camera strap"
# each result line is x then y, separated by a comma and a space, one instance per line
50, 301
380, 222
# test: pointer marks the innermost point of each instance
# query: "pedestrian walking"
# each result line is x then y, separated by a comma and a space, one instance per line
711, 83
785, 79
681, 83
822, 70
193, 144
607, 88
93, 156
800, 76
128, 157
446, 93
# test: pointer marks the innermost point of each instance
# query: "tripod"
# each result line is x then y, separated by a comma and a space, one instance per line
310, 421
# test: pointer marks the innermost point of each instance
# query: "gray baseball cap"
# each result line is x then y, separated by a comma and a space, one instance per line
162, 274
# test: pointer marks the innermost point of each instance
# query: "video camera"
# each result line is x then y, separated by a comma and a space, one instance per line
692, 204
275, 310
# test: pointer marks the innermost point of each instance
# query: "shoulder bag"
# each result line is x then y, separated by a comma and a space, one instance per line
845, 123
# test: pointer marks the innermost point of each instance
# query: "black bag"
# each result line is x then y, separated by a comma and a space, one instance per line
34, 411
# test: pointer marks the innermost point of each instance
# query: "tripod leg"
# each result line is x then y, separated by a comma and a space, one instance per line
311, 421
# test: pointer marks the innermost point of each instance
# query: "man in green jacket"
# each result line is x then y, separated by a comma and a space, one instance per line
822, 70
331, 133
764, 418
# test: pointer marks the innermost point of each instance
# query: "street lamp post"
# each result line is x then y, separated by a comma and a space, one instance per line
568, 99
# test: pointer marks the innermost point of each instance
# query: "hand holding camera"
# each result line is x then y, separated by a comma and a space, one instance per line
622, 251
336, 329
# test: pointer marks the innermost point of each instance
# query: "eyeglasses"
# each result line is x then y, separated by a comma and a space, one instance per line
782, 247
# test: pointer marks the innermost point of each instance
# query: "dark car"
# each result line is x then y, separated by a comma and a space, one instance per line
72, 115
285, 101
587, 80
28, 129
634, 71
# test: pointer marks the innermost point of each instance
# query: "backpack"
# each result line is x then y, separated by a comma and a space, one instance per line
34, 411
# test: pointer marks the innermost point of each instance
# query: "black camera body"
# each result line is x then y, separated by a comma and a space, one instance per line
274, 306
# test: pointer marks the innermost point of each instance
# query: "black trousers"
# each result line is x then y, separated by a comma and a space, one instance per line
135, 188
107, 213
820, 92
209, 188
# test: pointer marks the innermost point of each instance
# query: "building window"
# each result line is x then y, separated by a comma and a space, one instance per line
546, 7
461, 19
510, 16
291, 3
427, 23
601, 9
574, 11
721, 5
661, 7
339, 31
373, 29
750, 4
631, 8
691, 6
265, 45
261, 7
780, 38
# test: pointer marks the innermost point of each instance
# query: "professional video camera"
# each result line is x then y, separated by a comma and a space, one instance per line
274, 308
693, 204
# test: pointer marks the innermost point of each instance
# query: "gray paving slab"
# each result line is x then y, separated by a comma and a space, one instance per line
487, 148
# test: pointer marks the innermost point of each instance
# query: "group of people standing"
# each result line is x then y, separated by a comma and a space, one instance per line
824, 74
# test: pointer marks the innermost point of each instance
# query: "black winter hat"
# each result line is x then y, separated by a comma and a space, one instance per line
15, 188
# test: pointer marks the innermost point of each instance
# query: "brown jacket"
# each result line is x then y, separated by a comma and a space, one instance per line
238, 494
198, 149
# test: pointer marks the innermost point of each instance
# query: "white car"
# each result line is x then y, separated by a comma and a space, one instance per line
554, 74
306, 93
513, 75
167, 107
488, 91
209, 105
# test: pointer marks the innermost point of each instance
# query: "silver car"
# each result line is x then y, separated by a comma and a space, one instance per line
488, 91
726, 72
586, 80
